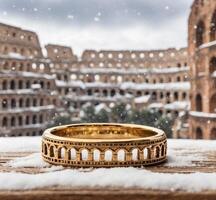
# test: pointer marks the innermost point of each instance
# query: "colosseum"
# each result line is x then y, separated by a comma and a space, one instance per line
33, 86
202, 62
25, 84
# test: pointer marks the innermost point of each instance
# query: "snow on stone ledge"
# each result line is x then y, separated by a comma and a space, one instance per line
209, 44
203, 114
114, 177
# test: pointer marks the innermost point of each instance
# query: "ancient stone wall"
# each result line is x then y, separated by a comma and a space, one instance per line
202, 61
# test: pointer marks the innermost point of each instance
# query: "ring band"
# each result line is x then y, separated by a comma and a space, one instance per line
104, 145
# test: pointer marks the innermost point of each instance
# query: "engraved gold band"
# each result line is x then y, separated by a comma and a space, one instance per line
104, 145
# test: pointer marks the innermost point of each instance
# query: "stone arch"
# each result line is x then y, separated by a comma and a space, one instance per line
198, 102
13, 121
212, 103
199, 133
84, 154
96, 154
176, 96
72, 154
112, 93
157, 151
62, 152
4, 103
89, 92
45, 149
154, 96
13, 103
34, 119
162, 150
12, 84
5, 122
108, 154
51, 151
121, 155
213, 134
200, 30
20, 120
212, 65
20, 103
213, 27
147, 153
20, 84
4, 85
105, 93
135, 153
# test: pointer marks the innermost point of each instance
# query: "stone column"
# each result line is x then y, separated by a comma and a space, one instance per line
128, 156
140, 155
91, 155
115, 156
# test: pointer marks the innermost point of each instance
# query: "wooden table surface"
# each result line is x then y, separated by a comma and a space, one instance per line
207, 165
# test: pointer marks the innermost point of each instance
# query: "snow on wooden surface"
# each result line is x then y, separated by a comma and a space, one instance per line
190, 168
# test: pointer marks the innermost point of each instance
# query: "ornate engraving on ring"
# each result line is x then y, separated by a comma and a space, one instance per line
125, 146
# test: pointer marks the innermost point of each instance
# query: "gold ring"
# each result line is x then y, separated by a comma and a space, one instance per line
104, 145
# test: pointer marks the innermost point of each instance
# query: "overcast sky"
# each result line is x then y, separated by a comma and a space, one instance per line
102, 24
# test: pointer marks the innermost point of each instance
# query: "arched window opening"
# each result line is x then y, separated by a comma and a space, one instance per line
52, 151
154, 96
89, 91
162, 150
178, 79
135, 154
27, 120
4, 103
176, 96
21, 103
213, 134
62, 152
199, 133
113, 93
200, 30
157, 152
105, 93
145, 153
184, 95
41, 102
212, 66
13, 121
34, 119
139, 93
45, 149
5, 122
84, 154
198, 103
12, 85
4, 85
20, 121
121, 155
213, 104
108, 155
72, 154
96, 155
13, 103
27, 84
213, 27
